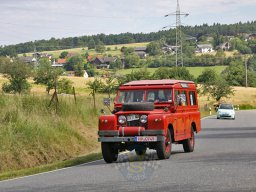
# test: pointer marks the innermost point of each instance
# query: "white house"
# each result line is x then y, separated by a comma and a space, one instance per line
204, 48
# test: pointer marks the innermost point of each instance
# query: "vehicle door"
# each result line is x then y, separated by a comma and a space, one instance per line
179, 119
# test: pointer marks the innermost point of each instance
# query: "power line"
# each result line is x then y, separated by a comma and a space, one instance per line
178, 49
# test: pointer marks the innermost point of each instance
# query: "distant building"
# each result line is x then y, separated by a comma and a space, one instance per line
141, 52
224, 46
42, 55
28, 59
252, 36
204, 48
59, 63
169, 49
102, 62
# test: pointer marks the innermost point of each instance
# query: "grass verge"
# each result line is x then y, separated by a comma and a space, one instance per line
51, 167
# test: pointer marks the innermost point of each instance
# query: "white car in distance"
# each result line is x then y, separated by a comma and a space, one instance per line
226, 111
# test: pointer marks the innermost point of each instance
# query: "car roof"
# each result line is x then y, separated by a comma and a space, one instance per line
226, 104
157, 82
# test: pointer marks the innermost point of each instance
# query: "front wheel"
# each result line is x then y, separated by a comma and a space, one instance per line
189, 144
109, 152
164, 148
140, 152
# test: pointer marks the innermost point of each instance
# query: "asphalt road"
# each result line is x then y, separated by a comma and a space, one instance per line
224, 160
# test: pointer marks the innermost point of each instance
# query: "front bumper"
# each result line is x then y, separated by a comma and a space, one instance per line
113, 136
232, 116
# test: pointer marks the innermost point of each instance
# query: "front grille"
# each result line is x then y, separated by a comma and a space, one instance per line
136, 122
133, 123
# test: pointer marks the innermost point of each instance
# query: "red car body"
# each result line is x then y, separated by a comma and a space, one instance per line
151, 114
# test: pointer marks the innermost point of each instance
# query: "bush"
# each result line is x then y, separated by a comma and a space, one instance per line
246, 107
20, 87
91, 72
65, 86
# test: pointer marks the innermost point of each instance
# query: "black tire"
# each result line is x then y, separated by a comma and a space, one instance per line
146, 106
189, 144
164, 148
140, 152
109, 153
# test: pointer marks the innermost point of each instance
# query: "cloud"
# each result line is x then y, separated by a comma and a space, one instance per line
37, 19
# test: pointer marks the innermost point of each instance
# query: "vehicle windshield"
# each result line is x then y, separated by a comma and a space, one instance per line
152, 95
226, 106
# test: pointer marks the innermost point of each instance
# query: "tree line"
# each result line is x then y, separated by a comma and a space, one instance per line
124, 38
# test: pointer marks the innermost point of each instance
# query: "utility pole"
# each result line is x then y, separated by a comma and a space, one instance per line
178, 49
246, 72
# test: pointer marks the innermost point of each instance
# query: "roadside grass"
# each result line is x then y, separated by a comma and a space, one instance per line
32, 134
51, 167
33, 138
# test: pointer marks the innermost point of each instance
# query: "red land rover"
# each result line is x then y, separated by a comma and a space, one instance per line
151, 114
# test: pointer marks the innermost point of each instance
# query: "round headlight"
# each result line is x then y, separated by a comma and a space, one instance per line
143, 118
121, 119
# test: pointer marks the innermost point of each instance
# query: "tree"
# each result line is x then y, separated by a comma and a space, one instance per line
220, 89
17, 73
46, 75
173, 73
100, 47
117, 64
208, 76
141, 74
91, 44
154, 48
65, 86
234, 74
109, 87
127, 50
241, 46
76, 63
220, 53
252, 63
95, 86
4, 62
131, 60
63, 54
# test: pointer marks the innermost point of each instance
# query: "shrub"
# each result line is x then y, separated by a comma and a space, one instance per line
65, 86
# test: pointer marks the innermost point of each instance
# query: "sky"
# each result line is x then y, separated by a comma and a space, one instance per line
30, 20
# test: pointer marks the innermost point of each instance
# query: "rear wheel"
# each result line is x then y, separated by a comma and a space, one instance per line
164, 148
109, 152
189, 144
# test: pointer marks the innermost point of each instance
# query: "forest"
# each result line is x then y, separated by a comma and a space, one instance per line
195, 32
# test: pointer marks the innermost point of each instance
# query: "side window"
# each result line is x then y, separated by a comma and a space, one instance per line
183, 96
192, 98
176, 96
151, 96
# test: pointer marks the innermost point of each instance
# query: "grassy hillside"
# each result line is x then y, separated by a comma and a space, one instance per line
195, 71
114, 50
31, 133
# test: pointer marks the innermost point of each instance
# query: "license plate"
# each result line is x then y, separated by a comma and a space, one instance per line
132, 117
145, 138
